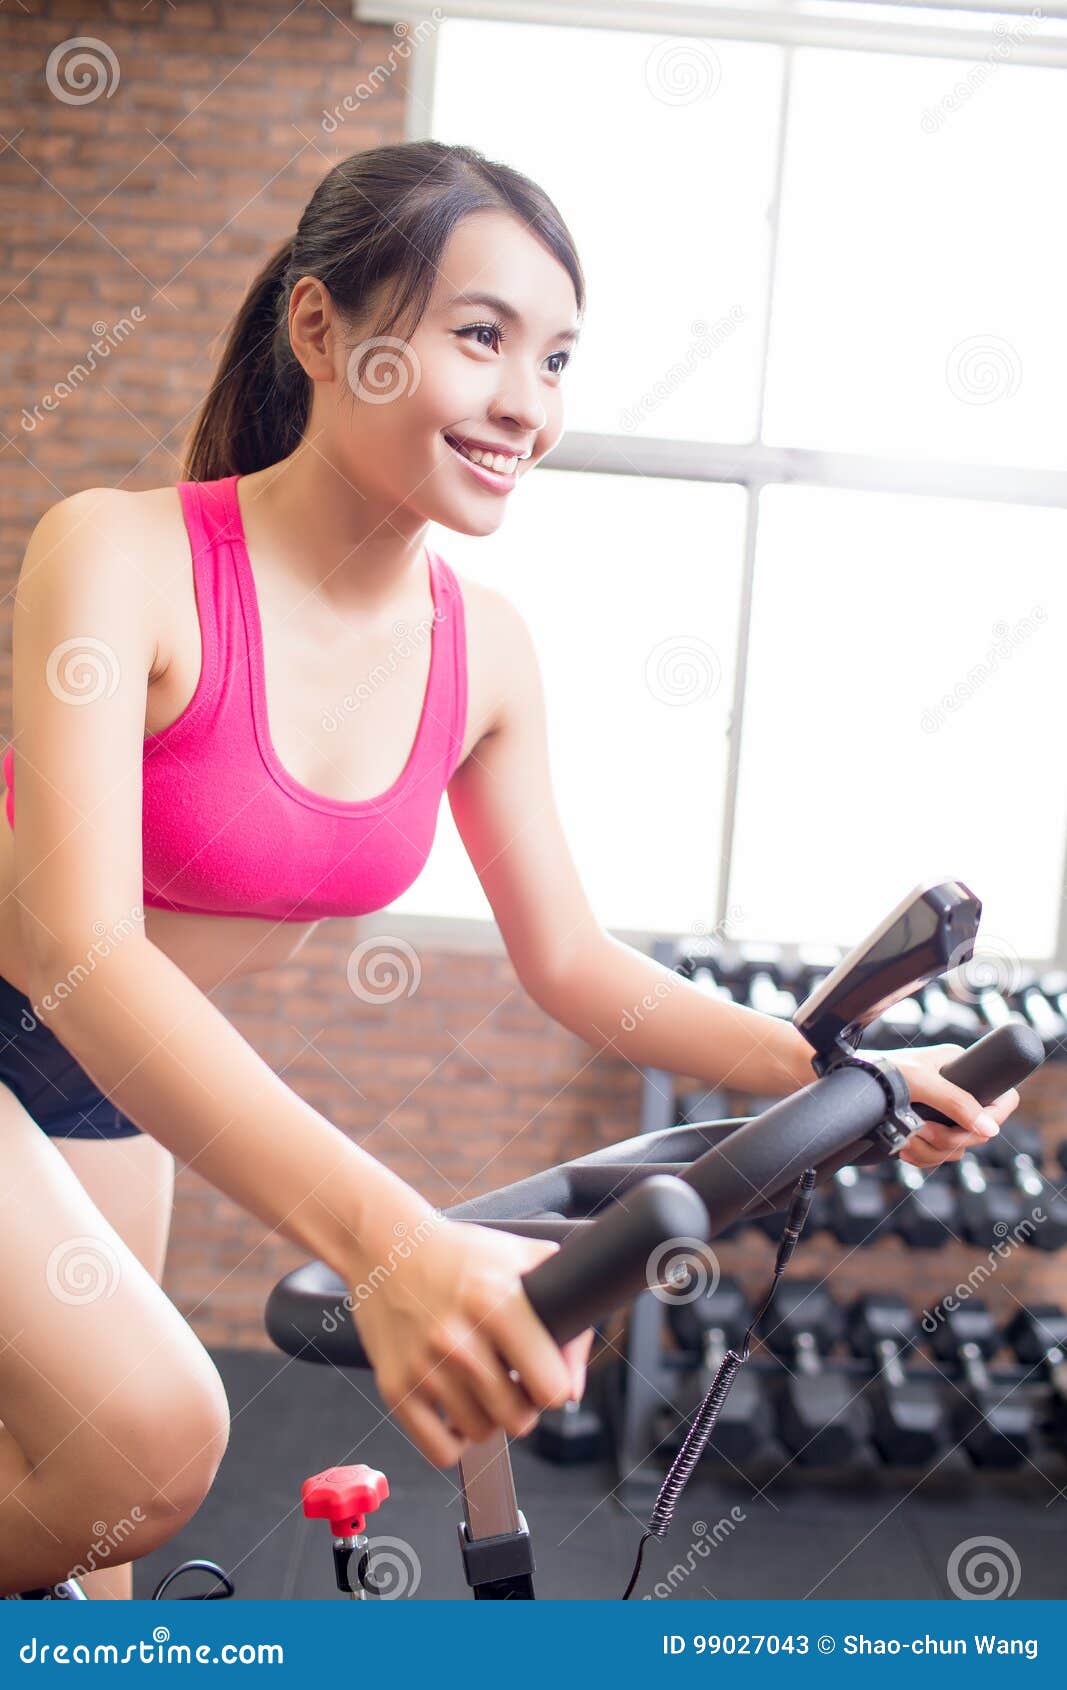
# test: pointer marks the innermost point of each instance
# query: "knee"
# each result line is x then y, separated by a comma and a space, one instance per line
166, 1450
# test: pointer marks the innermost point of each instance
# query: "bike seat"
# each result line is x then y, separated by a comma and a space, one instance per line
309, 1316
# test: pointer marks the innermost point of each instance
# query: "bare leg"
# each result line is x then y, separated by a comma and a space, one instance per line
114, 1418
131, 1181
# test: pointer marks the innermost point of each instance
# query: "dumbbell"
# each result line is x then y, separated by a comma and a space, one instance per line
1039, 1337
989, 1207
921, 1209
821, 1421
946, 1021
571, 1434
1017, 1155
899, 1025
855, 1205
1046, 1017
709, 1326
995, 1426
908, 1421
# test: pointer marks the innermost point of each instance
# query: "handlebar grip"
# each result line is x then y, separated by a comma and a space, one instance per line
607, 1262
990, 1067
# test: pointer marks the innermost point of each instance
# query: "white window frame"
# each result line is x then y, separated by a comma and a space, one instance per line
756, 465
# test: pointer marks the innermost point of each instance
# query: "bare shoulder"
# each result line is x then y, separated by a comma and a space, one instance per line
142, 527
135, 539
501, 657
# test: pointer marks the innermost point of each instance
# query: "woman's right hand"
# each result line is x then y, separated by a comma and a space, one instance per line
443, 1326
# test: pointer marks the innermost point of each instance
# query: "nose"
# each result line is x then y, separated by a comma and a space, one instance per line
519, 402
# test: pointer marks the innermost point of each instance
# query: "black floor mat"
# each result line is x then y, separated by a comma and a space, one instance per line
876, 1536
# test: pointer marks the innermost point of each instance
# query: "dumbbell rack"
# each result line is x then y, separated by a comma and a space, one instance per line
634, 1392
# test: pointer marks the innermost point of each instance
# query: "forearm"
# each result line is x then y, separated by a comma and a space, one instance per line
616, 997
171, 1061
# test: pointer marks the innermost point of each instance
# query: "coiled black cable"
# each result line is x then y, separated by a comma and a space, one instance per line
699, 1434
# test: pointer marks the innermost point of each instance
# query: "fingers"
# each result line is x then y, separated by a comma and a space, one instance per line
576, 1355
545, 1375
428, 1431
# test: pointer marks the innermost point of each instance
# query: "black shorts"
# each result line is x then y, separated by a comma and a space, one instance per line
47, 1081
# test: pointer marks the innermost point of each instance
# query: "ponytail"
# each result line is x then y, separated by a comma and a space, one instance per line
376, 225
256, 409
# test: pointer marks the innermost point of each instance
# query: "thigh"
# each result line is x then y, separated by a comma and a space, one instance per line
131, 1181
91, 1350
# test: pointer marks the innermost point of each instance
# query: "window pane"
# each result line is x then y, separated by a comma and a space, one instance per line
659, 152
630, 590
906, 688
922, 260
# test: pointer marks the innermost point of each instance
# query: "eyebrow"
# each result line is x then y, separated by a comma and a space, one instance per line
494, 303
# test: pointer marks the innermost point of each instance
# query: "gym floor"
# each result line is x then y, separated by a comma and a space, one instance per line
870, 1534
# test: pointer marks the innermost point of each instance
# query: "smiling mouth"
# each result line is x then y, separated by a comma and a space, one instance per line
497, 463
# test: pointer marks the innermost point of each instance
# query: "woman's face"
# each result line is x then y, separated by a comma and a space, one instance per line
472, 373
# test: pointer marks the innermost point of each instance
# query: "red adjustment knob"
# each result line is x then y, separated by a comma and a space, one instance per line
344, 1495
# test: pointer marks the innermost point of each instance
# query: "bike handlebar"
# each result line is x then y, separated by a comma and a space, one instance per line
706, 1179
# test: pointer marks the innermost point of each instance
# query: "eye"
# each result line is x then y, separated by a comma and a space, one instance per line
498, 331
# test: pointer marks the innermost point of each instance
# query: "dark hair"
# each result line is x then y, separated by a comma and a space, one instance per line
381, 216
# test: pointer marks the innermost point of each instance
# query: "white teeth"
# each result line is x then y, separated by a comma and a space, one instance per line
489, 460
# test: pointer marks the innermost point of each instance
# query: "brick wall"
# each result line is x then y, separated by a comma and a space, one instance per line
164, 196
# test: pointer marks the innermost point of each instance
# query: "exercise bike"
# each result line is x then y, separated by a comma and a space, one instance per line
627, 1216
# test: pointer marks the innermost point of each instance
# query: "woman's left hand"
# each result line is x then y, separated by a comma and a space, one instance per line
921, 1068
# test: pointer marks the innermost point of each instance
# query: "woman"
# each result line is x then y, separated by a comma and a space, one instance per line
399, 362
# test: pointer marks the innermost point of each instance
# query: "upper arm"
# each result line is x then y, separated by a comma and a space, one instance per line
83, 648
505, 811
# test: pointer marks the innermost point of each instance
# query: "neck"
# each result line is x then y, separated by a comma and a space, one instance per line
356, 553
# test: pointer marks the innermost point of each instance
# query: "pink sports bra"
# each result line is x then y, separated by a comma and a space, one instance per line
226, 829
